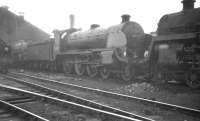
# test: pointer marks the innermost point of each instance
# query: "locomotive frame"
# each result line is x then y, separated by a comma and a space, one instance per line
181, 63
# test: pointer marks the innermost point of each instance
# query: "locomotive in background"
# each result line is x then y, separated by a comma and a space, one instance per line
14, 27
5, 56
174, 53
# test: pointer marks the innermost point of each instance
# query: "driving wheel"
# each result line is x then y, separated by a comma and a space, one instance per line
104, 72
193, 80
126, 73
91, 70
79, 69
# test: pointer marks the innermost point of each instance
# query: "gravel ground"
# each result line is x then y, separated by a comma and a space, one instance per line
134, 107
178, 94
55, 112
169, 93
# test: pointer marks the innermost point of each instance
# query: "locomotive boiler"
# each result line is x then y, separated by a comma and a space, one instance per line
99, 38
176, 48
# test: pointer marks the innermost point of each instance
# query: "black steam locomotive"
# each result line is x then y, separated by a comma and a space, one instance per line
176, 48
123, 49
97, 50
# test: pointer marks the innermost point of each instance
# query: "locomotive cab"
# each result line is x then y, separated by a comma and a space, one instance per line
175, 54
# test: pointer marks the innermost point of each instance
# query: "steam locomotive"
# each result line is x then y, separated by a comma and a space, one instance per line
5, 55
123, 49
96, 50
176, 48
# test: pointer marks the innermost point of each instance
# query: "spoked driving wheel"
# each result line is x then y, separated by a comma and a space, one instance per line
91, 70
104, 72
79, 69
193, 80
67, 68
126, 73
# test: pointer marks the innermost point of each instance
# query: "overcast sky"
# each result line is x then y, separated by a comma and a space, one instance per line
54, 14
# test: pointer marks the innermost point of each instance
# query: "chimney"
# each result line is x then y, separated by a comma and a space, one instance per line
188, 4
94, 26
71, 17
125, 18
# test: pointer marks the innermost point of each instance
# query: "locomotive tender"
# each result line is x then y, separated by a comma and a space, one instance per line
173, 54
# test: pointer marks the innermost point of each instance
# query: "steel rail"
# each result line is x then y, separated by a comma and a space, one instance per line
17, 110
80, 100
54, 99
183, 109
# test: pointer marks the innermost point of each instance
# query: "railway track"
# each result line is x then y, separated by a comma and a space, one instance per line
155, 104
20, 105
10, 112
105, 113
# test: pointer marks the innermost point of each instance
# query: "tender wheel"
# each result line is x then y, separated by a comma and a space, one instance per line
193, 80
91, 70
126, 73
49, 66
55, 67
79, 69
67, 68
52, 67
40, 66
104, 72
